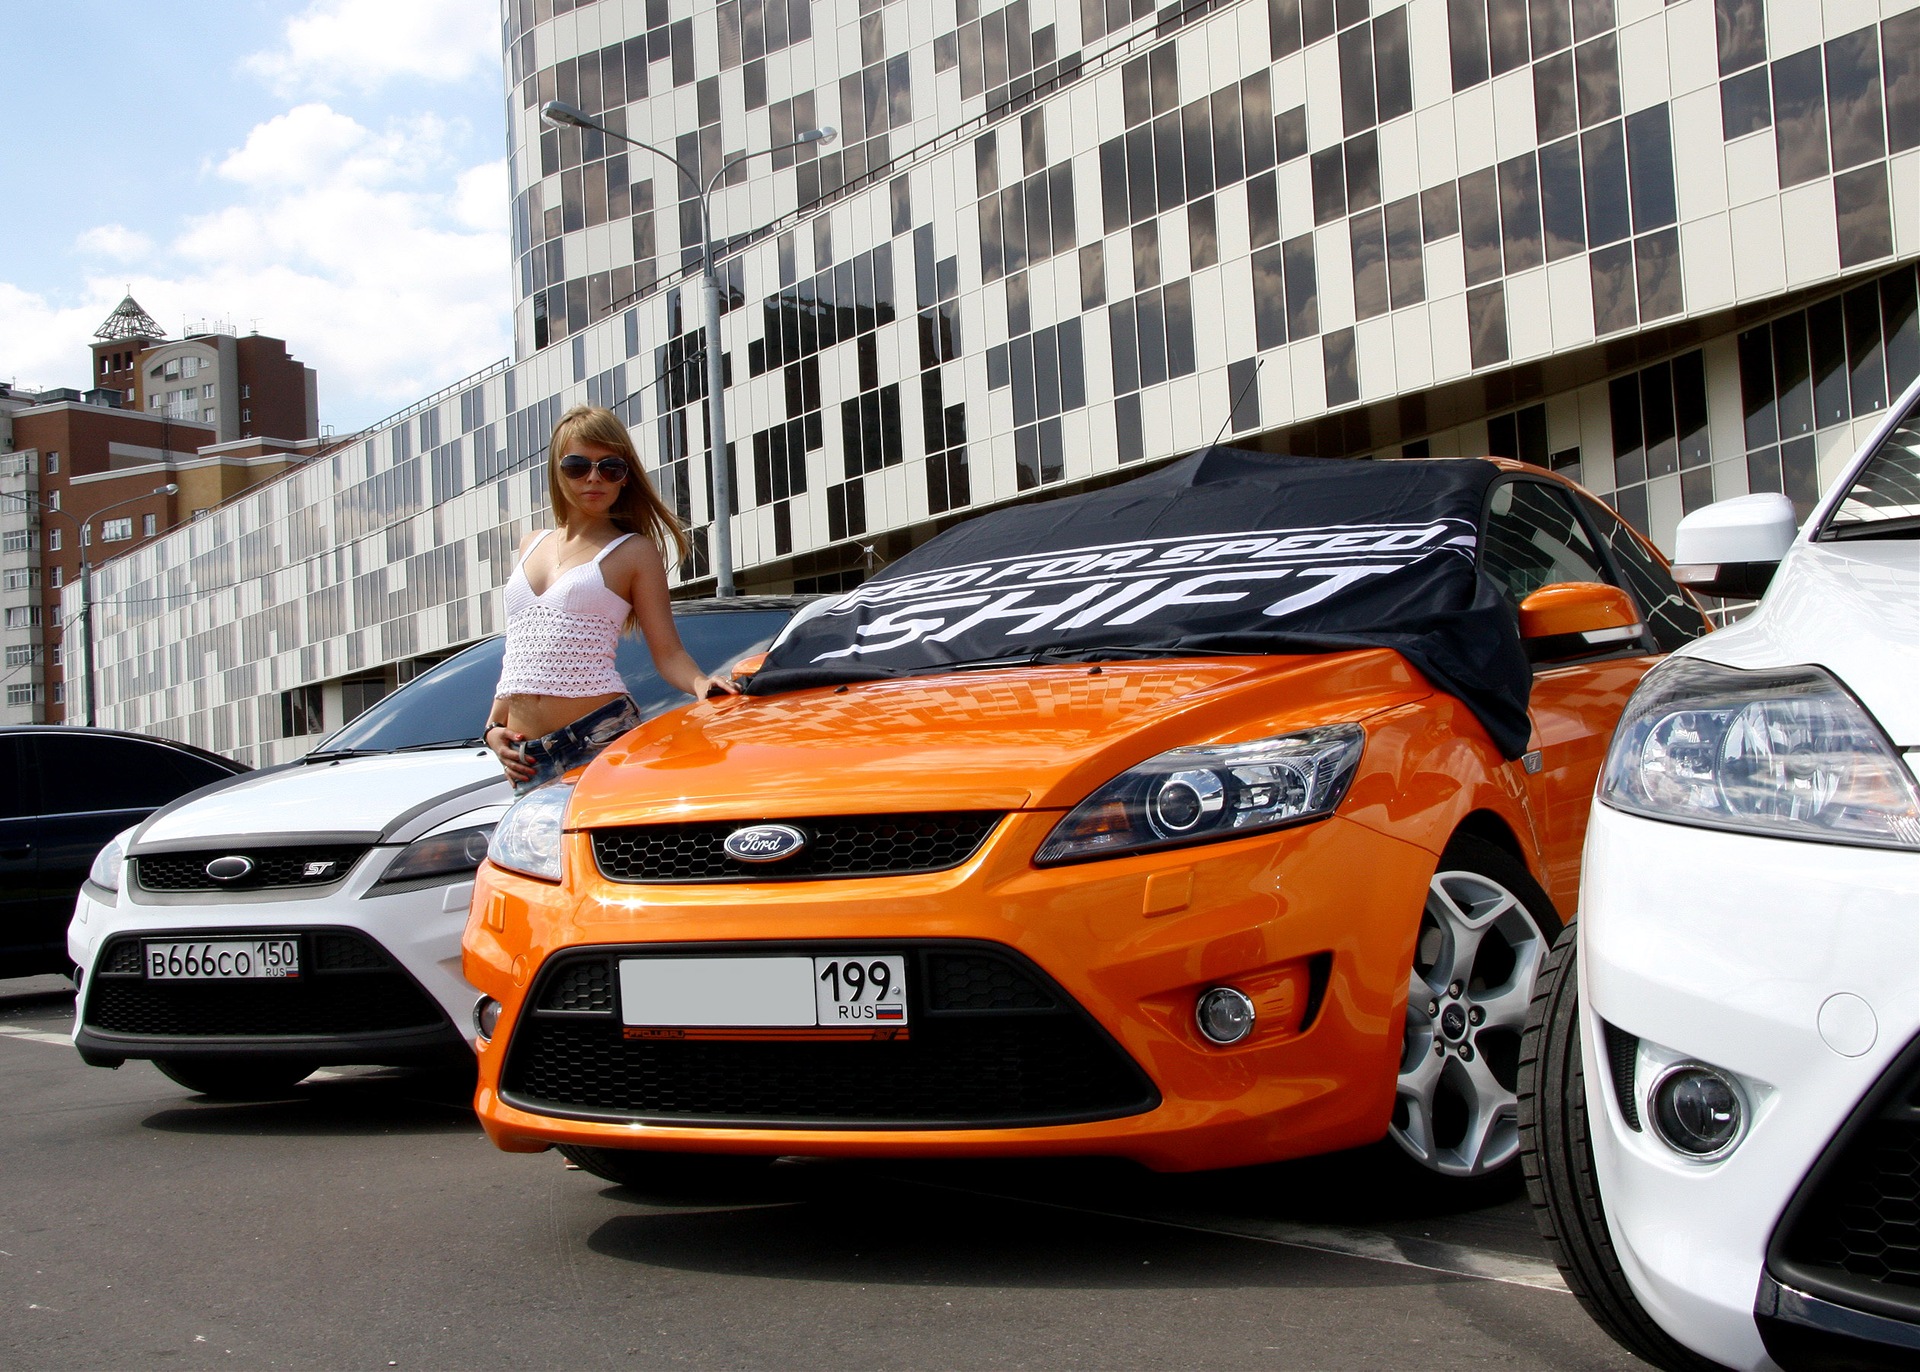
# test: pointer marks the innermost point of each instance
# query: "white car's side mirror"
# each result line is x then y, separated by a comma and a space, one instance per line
1732, 547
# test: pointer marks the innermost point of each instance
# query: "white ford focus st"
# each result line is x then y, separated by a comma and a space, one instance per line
1734, 1178
311, 914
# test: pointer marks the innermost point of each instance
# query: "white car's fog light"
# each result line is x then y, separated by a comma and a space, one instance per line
1224, 1015
486, 1016
1697, 1111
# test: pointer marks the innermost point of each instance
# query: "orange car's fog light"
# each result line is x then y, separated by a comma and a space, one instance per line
486, 1016
1224, 1015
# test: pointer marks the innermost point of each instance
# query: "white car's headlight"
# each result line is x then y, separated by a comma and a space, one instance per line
110, 861
445, 857
1784, 752
527, 839
1193, 795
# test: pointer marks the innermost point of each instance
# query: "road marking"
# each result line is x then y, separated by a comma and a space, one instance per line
14, 1031
1430, 1255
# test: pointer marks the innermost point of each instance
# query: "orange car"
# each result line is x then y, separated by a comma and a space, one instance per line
992, 861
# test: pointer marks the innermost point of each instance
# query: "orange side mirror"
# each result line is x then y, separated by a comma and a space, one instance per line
748, 665
1596, 613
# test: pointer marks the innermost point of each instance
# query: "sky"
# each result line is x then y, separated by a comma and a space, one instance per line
330, 172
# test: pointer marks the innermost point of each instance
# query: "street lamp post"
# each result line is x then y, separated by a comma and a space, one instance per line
83, 528
721, 494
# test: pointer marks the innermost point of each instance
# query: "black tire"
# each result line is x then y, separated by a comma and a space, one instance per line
235, 1078
1556, 1155
649, 1170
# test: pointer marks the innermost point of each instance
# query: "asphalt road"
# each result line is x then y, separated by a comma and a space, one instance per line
364, 1222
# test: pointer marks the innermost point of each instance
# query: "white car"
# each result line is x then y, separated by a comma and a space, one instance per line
311, 914
1736, 1181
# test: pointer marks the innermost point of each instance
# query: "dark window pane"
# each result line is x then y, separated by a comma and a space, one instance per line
1690, 408
1533, 435
1657, 267
1367, 235
1591, 17
1290, 134
1603, 155
1756, 387
1163, 69
1392, 70
1800, 474
1487, 324
1196, 125
1503, 437
1126, 428
1793, 375
1263, 211
1507, 25
1439, 213
1623, 409
991, 248
1826, 331
1650, 163
1256, 120
1113, 184
1696, 488
1363, 172
1269, 299
1178, 298
1140, 182
1146, 255
1229, 159
999, 369
1866, 364
1520, 212
1073, 370
1019, 314
1126, 351
1303, 288
1316, 19
1467, 37
1020, 362
1554, 112
1203, 239
1093, 276
1596, 68
1342, 368
1853, 99
1900, 315
1763, 470
1406, 271
1740, 32
1013, 226
1167, 160
1136, 100
1046, 375
1244, 394
1060, 198
1900, 63
1656, 417
1562, 211
1745, 106
1283, 27
1799, 117
1865, 220
1026, 458
1551, 25
1480, 225
1329, 185
1150, 316
1039, 220
1356, 78
1611, 270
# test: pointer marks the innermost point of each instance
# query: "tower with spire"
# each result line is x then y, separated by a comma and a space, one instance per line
120, 339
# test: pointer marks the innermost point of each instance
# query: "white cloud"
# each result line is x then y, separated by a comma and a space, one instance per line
366, 44
115, 241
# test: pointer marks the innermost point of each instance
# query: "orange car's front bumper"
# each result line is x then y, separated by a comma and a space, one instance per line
1316, 924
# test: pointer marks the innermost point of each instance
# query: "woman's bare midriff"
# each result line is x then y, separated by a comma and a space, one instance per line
534, 715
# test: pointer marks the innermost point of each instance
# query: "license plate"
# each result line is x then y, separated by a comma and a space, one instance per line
868, 991
224, 960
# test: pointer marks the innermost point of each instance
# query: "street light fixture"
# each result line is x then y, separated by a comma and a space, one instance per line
559, 113
84, 528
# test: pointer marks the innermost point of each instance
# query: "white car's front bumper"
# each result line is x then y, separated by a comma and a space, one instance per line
418, 929
1794, 966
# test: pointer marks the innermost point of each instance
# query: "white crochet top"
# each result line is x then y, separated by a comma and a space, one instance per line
560, 642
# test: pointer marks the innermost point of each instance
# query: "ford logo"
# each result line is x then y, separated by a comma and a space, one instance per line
764, 843
229, 868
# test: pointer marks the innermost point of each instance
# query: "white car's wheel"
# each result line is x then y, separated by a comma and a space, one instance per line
1480, 948
235, 1078
1557, 1157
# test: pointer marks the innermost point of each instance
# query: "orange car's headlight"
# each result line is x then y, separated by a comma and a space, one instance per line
1195, 795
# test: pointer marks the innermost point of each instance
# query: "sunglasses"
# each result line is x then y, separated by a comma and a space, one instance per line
577, 465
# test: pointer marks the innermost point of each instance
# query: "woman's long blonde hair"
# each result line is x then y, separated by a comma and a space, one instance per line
638, 508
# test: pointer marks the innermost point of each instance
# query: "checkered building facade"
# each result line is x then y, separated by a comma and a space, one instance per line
1667, 248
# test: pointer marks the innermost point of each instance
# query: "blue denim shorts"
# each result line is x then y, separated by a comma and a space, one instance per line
555, 754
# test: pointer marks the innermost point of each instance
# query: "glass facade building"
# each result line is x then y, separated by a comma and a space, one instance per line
1667, 248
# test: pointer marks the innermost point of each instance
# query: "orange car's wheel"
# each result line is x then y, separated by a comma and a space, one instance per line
1484, 935
646, 1169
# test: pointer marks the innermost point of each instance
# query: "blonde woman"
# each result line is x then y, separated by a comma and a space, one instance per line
574, 590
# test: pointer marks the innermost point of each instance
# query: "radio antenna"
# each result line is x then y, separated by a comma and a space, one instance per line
1245, 386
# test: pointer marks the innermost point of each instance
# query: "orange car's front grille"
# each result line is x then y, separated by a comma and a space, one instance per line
837, 846
993, 1043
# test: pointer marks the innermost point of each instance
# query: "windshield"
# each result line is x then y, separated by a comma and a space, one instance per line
449, 704
1884, 499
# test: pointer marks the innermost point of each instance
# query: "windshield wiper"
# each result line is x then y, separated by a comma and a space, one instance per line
336, 754
441, 743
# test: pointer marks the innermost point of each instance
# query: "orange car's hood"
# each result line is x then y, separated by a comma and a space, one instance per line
995, 739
